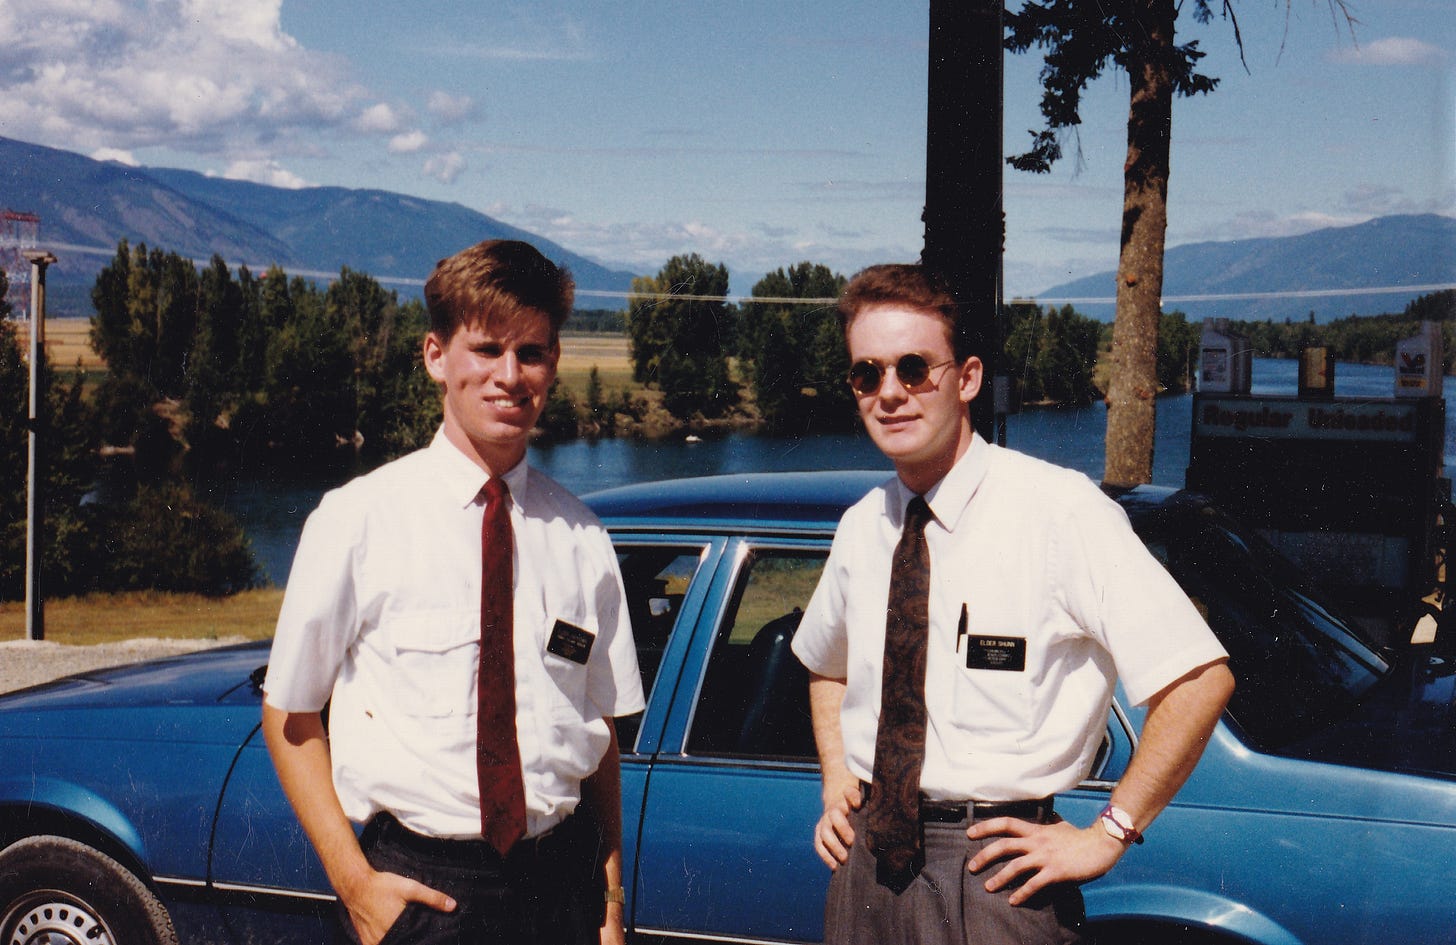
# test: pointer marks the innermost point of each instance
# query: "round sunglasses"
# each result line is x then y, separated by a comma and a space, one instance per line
865, 377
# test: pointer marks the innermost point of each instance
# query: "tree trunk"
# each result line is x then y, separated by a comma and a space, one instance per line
1133, 383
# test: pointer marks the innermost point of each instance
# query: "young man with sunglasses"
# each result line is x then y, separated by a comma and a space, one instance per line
963, 644
463, 617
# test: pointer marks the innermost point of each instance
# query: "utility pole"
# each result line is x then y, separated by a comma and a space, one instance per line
965, 226
35, 507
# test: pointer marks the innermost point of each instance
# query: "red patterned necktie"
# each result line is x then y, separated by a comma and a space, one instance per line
892, 818
497, 756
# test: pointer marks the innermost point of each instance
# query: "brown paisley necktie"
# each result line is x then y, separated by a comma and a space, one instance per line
892, 825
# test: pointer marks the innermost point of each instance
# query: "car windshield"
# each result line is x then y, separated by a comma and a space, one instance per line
1299, 666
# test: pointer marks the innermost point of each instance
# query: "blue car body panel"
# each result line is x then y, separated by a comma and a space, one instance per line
1342, 838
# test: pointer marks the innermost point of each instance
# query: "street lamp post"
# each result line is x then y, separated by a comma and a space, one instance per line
35, 502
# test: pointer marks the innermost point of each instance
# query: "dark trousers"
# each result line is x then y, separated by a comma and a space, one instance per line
546, 891
944, 903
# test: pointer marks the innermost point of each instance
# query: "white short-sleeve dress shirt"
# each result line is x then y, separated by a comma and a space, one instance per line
1041, 597
382, 615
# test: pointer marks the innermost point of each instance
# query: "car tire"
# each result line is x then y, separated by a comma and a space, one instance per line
55, 890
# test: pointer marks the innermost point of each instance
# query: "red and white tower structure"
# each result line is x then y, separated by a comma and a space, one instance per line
19, 232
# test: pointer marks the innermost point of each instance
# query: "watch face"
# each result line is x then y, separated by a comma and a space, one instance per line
1115, 827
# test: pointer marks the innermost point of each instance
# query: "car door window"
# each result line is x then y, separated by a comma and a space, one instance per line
754, 699
656, 578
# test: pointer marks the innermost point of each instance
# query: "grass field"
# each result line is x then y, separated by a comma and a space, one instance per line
108, 618
609, 354
67, 339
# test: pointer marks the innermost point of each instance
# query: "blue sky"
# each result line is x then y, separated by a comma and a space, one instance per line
756, 133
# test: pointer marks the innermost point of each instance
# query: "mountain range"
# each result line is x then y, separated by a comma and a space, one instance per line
1273, 277
87, 206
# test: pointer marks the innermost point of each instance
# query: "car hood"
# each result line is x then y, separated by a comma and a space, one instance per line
201, 678
1406, 723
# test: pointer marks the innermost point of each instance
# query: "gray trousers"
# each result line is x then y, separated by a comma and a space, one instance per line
945, 904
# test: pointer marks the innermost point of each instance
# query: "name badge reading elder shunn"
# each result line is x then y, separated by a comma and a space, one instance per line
1007, 654
570, 642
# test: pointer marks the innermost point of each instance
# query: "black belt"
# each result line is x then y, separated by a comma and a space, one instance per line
385, 827
954, 812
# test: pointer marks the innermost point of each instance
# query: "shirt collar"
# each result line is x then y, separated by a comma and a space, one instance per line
460, 479
949, 498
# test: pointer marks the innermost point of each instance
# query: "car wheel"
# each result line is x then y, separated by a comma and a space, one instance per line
56, 891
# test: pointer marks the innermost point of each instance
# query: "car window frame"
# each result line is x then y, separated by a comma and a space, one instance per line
730, 571
659, 704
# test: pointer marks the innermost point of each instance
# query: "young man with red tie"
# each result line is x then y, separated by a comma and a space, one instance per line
463, 618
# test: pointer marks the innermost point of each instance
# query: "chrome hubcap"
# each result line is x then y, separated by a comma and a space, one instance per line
52, 918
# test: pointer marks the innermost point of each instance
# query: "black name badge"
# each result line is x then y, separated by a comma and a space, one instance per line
1007, 654
570, 642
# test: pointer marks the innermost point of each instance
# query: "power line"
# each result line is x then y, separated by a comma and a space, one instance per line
791, 300
1251, 296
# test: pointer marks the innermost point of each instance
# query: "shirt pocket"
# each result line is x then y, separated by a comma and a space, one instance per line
993, 703
568, 677
436, 660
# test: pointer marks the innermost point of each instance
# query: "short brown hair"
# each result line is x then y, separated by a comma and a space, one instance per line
912, 286
497, 281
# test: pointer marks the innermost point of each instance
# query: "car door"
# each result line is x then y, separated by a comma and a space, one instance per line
667, 581
264, 877
726, 845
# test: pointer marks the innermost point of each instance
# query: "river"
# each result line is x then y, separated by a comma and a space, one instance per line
272, 511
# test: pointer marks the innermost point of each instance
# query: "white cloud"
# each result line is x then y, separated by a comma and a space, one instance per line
114, 154
407, 143
450, 108
211, 76
378, 119
445, 167
264, 171
1392, 51
644, 247
550, 39
1255, 224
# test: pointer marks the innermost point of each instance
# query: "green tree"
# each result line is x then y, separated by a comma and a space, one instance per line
798, 380
211, 370
1052, 354
559, 420
178, 300
146, 316
114, 336
1178, 344
1021, 350
682, 331
363, 314
1067, 357
309, 396
399, 402
1081, 40
601, 418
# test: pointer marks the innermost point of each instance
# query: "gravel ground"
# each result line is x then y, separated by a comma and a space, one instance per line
27, 662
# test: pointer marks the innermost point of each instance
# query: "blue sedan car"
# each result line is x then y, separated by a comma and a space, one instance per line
139, 806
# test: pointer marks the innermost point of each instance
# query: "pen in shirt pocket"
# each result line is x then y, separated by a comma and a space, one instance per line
961, 627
